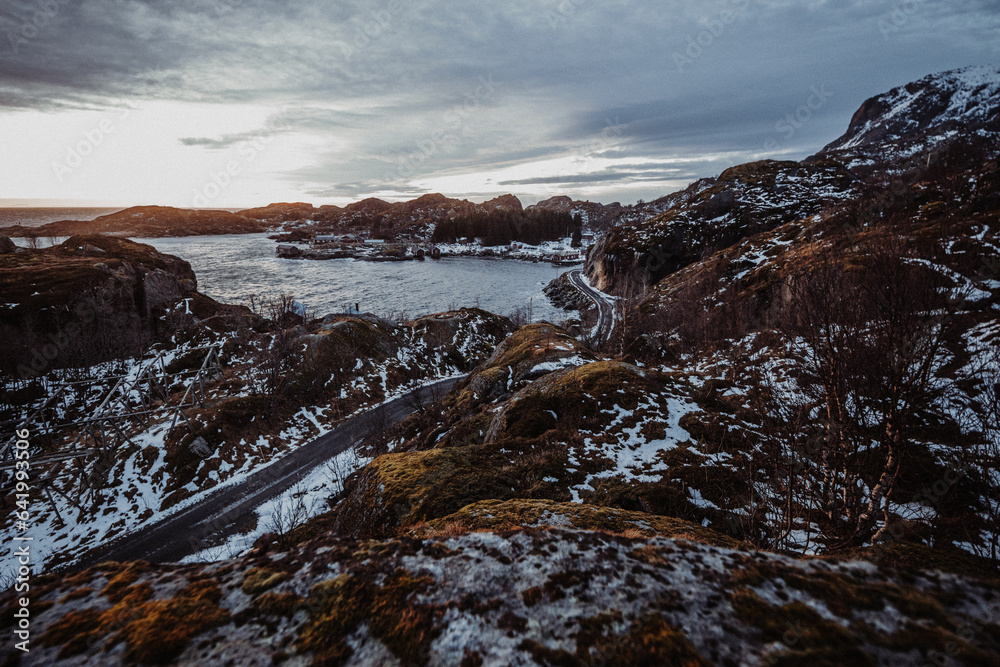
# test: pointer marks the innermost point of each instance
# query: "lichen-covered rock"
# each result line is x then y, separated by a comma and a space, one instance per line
524, 597
606, 433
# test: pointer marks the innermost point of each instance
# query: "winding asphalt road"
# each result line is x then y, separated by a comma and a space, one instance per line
221, 513
605, 305
211, 519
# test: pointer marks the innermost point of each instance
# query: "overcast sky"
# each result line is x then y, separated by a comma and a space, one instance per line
229, 103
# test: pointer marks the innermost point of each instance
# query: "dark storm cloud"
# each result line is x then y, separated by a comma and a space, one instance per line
298, 118
225, 141
647, 79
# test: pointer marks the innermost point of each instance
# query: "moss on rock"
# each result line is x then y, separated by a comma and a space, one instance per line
497, 515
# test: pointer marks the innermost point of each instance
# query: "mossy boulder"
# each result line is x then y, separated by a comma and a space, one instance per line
497, 515
401, 489
570, 399
544, 442
529, 353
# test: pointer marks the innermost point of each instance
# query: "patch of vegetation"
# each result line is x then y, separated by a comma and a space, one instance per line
388, 492
339, 606
497, 515
936, 643
650, 641
155, 632
119, 584
906, 556
79, 593
278, 604
807, 637
845, 595
257, 580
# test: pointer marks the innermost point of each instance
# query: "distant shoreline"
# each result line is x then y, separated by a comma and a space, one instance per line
36, 216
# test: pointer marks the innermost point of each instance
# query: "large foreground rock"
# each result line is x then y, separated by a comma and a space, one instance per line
527, 597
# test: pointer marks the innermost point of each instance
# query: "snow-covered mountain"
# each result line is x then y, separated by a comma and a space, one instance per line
946, 121
933, 108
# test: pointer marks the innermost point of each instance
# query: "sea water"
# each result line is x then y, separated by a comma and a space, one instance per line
232, 268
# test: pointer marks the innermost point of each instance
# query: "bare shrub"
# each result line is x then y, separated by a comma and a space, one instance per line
871, 338
520, 316
290, 512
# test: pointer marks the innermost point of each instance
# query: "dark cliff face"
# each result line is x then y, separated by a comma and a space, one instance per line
89, 299
711, 215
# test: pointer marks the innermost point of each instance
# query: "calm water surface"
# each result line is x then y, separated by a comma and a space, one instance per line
232, 268
33, 217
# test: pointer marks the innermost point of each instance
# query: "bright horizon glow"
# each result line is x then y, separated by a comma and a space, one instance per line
95, 150
237, 104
